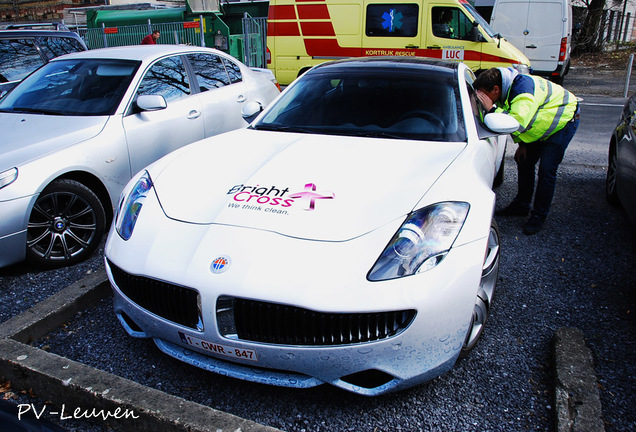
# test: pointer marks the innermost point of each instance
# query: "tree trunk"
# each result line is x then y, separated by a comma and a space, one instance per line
591, 37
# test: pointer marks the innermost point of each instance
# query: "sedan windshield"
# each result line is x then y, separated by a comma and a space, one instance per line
84, 87
381, 103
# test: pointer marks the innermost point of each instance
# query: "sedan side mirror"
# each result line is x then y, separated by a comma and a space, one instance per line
501, 123
150, 102
251, 110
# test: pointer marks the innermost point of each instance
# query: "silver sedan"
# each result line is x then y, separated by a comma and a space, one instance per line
75, 131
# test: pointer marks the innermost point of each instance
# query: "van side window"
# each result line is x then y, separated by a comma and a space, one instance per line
393, 20
450, 23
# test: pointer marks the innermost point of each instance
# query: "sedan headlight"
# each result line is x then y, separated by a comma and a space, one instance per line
422, 241
130, 206
7, 177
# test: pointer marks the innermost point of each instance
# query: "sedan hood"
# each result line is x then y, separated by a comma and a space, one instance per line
317, 187
29, 136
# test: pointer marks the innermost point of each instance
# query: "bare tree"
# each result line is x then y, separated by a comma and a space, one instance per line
591, 36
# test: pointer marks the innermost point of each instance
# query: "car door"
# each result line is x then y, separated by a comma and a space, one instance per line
543, 34
496, 148
626, 160
222, 92
153, 134
455, 42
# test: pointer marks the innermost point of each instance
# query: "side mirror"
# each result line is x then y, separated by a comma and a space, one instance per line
474, 35
251, 110
150, 103
501, 123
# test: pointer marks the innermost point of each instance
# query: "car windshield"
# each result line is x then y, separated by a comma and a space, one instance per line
80, 87
381, 103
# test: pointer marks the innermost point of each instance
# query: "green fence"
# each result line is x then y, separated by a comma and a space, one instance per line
249, 47
188, 33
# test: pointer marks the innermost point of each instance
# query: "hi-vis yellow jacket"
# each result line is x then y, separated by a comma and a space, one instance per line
541, 107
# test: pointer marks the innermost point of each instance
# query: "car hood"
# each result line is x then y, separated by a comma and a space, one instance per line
29, 136
317, 187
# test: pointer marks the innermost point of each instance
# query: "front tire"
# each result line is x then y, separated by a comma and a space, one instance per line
499, 178
610, 181
489, 275
65, 226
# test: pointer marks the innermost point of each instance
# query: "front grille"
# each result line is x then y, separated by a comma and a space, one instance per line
288, 325
172, 302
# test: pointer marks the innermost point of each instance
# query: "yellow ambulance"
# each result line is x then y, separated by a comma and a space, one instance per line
304, 33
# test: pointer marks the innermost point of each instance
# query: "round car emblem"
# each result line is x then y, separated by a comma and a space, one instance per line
220, 264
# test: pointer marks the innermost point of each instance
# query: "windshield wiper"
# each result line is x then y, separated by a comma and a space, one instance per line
281, 128
367, 133
25, 110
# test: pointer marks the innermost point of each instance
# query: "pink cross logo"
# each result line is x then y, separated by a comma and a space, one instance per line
310, 194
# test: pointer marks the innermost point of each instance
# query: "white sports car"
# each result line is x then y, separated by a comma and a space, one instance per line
345, 237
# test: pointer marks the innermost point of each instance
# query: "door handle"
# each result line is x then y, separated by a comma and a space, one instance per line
194, 114
434, 47
531, 46
241, 98
411, 47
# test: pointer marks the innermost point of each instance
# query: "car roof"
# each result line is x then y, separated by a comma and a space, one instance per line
22, 33
137, 52
392, 63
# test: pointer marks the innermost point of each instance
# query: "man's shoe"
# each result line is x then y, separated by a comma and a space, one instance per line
513, 209
534, 224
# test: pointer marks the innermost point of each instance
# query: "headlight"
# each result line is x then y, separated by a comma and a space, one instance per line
7, 177
422, 241
130, 206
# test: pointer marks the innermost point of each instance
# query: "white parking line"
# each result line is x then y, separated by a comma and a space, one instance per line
601, 104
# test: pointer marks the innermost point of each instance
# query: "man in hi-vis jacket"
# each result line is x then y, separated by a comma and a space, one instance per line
548, 116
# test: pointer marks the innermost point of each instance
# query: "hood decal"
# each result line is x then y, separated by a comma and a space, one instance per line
310, 194
256, 197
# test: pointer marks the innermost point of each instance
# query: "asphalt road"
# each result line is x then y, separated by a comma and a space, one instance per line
579, 271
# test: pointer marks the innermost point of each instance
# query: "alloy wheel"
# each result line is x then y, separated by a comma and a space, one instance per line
65, 225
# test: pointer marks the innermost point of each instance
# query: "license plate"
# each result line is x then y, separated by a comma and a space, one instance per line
214, 348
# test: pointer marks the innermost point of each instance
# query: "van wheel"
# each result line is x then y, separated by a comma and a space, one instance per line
557, 79
66, 224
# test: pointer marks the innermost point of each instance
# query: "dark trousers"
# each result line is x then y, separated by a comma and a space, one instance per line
549, 153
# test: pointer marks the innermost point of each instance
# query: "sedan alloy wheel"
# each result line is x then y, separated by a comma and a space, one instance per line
66, 224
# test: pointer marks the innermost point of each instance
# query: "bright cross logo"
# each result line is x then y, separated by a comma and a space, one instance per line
310, 194
392, 20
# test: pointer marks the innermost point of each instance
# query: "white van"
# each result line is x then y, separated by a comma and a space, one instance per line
541, 29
